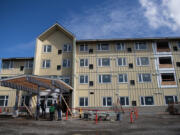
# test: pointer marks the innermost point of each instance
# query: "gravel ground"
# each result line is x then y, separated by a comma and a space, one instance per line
159, 124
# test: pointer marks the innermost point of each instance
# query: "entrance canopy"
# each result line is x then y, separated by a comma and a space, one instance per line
35, 84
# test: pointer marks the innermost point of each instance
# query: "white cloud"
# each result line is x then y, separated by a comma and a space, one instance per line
163, 13
111, 19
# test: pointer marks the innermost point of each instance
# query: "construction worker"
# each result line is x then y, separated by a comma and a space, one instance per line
59, 110
51, 111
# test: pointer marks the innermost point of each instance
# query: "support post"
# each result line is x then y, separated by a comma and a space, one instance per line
16, 104
37, 105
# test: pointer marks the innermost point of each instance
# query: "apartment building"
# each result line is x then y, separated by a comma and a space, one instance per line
132, 71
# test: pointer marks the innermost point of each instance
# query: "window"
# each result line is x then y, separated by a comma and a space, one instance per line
171, 99
103, 47
140, 46
107, 101
29, 64
48, 102
163, 47
83, 62
65, 79
3, 101
142, 61
104, 78
167, 77
144, 77
122, 78
147, 100
83, 48
66, 63
165, 60
46, 64
121, 62
7, 64
47, 48
103, 62
83, 101
67, 48
124, 101
83, 79
178, 44
120, 46
25, 99
58, 67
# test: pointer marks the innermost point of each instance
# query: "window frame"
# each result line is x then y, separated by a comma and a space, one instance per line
45, 48
142, 80
140, 61
122, 61
101, 62
124, 74
10, 65
106, 104
85, 46
45, 60
28, 63
85, 105
102, 79
84, 60
5, 100
69, 48
68, 63
138, 44
84, 77
125, 99
144, 100
120, 44
174, 98
99, 47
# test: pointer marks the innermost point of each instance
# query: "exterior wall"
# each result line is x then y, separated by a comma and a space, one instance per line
115, 89
56, 40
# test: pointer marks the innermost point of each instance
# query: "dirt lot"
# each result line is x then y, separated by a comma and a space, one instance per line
146, 124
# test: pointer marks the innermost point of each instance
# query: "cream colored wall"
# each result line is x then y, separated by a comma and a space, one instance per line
56, 40
16, 69
114, 88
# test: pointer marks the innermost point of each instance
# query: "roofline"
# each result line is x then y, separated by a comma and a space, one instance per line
128, 39
62, 27
18, 58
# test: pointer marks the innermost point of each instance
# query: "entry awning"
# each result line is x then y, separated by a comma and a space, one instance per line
31, 83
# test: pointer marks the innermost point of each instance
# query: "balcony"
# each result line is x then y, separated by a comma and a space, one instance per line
168, 79
165, 62
163, 47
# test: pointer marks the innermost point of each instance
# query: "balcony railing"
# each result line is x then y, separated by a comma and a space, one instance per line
163, 50
168, 83
165, 66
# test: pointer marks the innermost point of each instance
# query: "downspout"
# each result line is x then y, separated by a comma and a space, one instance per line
74, 75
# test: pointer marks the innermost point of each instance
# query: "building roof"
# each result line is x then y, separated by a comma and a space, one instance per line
32, 83
19, 58
53, 28
128, 39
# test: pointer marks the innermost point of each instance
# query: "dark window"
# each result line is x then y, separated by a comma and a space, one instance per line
175, 48
91, 92
178, 64
21, 68
90, 66
58, 67
91, 83
130, 65
171, 99
167, 77
132, 82
59, 51
133, 103
165, 60
90, 51
163, 47
124, 100
129, 49
147, 100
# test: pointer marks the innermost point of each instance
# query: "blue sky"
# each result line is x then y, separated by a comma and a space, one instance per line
21, 21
